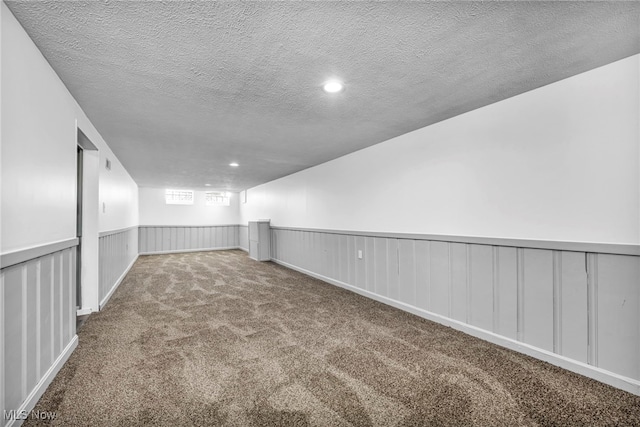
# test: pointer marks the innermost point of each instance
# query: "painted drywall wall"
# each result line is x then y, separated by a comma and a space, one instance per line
38, 145
39, 151
117, 191
557, 163
154, 210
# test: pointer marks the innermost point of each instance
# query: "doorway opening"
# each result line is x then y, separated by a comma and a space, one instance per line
79, 198
86, 274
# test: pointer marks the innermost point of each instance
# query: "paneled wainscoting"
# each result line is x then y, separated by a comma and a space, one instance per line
169, 239
574, 308
37, 324
117, 251
243, 237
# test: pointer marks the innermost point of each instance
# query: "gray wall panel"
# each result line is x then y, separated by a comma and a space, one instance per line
310, 255
458, 281
321, 249
32, 318
481, 287
618, 305
196, 238
422, 274
37, 305
224, 236
13, 331
343, 260
351, 257
572, 304
208, 238
68, 302
369, 259
236, 235
439, 278
407, 271
360, 263
46, 316
306, 251
393, 270
303, 254
381, 266
218, 237
151, 240
333, 255
55, 301
116, 252
158, 239
180, 232
544, 298
507, 290
538, 298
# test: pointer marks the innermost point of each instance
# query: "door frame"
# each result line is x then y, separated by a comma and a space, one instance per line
88, 229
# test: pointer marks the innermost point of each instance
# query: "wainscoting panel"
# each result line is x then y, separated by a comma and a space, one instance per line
583, 307
538, 298
38, 324
422, 274
458, 277
117, 251
572, 303
406, 270
438, 278
380, 266
167, 239
506, 292
481, 287
618, 308
243, 238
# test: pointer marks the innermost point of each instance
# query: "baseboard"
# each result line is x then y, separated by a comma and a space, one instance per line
243, 249
624, 383
35, 395
182, 251
115, 286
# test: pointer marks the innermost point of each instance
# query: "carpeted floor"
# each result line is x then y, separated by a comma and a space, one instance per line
214, 338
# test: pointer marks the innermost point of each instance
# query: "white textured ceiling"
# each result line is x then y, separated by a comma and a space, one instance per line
181, 89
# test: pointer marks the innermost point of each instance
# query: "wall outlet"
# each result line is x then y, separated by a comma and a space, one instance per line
359, 254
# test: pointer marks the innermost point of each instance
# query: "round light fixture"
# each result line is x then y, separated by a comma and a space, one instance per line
234, 165
333, 86
207, 185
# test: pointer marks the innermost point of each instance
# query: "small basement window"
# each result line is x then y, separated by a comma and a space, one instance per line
178, 197
216, 199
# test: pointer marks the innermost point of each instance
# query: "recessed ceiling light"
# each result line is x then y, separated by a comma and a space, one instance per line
234, 165
333, 86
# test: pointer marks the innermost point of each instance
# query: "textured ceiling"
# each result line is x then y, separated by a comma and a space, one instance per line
181, 89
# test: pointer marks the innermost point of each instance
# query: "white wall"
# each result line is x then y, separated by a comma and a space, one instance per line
558, 163
39, 151
118, 193
154, 210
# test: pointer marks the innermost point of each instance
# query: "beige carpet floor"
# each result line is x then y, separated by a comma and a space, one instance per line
214, 338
